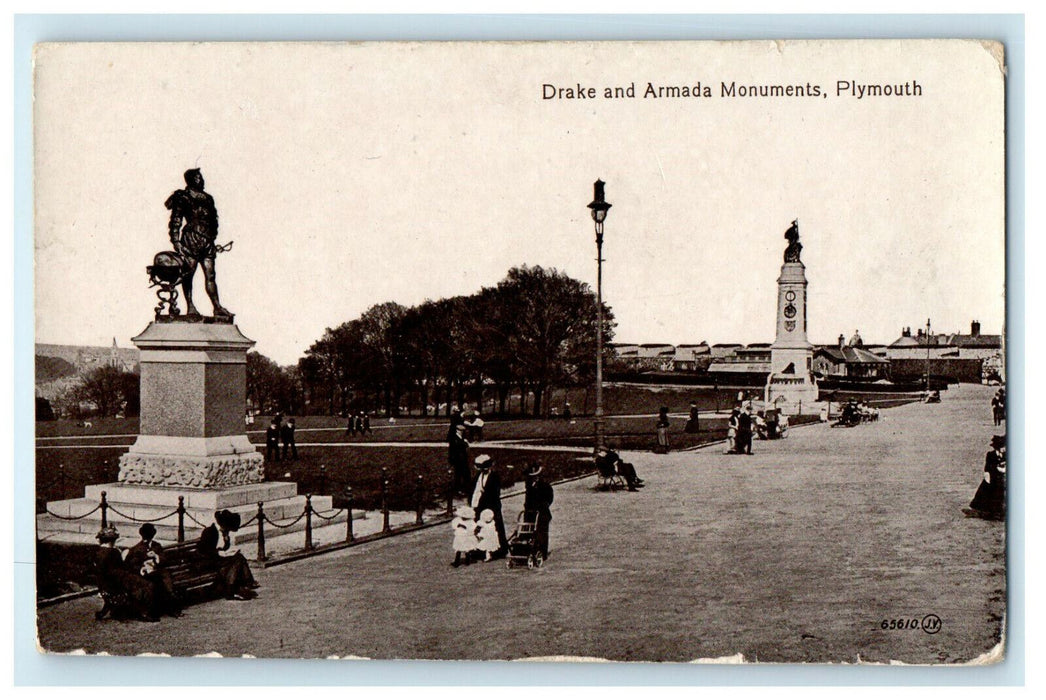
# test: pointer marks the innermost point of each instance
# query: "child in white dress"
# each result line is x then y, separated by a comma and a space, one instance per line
464, 526
487, 534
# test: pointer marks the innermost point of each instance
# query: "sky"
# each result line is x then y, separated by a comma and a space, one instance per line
353, 174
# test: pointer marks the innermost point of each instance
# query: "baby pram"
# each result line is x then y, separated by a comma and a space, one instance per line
523, 543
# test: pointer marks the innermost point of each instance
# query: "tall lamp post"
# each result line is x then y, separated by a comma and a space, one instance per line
599, 207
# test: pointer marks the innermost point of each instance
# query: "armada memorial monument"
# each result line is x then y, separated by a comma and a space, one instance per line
192, 443
791, 384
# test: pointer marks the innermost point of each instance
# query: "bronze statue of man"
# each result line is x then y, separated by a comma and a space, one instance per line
794, 246
195, 241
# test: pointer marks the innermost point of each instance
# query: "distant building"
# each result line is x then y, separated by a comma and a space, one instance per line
850, 361
78, 360
754, 359
692, 358
974, 345
972, 357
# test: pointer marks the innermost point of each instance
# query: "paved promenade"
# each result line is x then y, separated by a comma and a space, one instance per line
797, 553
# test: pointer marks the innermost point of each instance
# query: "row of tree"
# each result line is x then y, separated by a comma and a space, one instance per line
534, 330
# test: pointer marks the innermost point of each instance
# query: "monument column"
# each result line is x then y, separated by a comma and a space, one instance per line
791, 381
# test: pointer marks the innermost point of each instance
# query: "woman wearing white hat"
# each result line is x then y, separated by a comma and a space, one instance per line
486, 495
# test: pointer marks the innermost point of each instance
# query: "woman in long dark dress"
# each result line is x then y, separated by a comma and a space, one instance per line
990, 499
123, 590
234, 580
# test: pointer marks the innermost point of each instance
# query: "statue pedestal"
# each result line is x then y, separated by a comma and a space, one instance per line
192, 445
194, 384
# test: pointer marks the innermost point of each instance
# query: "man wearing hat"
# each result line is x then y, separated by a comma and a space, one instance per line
458, 458
538, 499
486, 495
159, 577
234, 580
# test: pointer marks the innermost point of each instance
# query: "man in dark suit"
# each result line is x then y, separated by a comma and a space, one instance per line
272, 441
538, 499
458, 458
744, 431
287, 435
486, 495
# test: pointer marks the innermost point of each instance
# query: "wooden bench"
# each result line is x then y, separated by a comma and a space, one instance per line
189, 572
187, 569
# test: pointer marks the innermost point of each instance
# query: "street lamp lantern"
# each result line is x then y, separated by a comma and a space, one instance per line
599, 207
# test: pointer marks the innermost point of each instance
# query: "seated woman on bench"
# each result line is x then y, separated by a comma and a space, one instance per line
234, 580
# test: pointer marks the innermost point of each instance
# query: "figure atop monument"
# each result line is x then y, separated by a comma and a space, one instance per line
193, 229
794, 246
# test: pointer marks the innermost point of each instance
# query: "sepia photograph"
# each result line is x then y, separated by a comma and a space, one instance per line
574, 351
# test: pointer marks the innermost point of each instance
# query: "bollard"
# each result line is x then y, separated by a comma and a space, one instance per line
105, 512
308, 522
384, 501
323, 478
61, 480
450, 492
417, 502
181, 519
261, 532
348, 508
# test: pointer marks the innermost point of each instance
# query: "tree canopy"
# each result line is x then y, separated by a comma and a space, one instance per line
533, 330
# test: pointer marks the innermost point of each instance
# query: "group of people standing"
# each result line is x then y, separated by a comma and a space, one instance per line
463, 430
739, 431
277, 432
358, 423
479, 526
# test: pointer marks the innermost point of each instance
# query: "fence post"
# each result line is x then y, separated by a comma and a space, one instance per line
384, 501
417, 503
348, 507
105, 511
450, 492
308, 522
181, 519
261, 532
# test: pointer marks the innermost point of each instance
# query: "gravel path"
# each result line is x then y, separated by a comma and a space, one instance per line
797, 553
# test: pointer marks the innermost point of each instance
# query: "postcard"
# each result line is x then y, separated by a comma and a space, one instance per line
625, 351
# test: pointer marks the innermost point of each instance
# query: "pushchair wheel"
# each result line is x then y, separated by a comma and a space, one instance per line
531, 561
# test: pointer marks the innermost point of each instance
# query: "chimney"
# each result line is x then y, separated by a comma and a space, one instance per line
906, 332
975, 328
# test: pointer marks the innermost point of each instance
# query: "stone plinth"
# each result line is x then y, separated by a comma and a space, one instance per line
193, 395
791, 383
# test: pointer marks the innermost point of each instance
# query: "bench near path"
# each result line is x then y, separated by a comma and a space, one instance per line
797, 553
